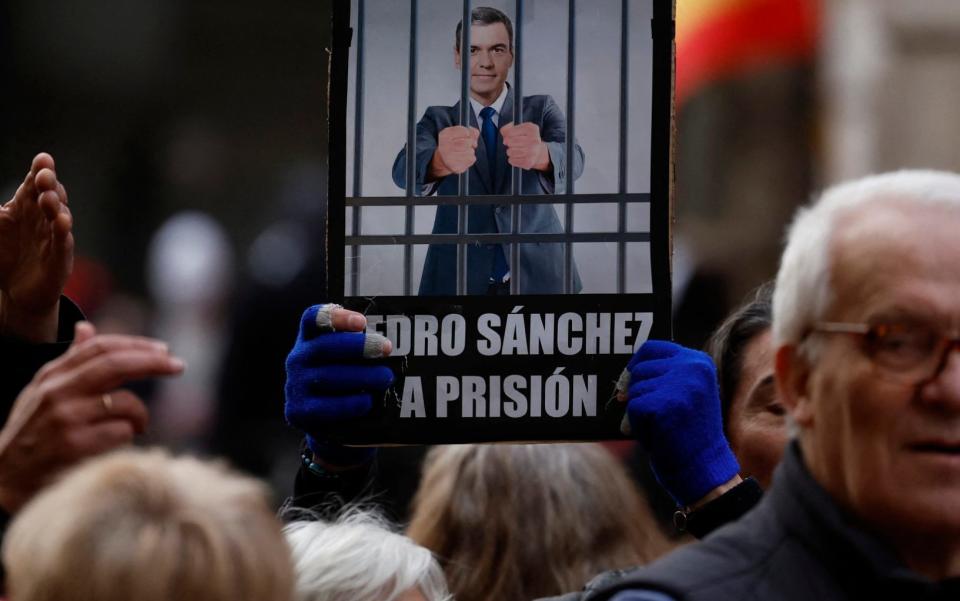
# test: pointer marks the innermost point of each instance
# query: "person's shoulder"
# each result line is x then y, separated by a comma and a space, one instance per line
438, 117
724, 559
538, 100
730, 561
541, 108
439, 110
726, 564
628, 595
638, 595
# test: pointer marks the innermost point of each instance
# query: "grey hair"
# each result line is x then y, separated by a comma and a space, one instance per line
360, 558
802, 293
507, 521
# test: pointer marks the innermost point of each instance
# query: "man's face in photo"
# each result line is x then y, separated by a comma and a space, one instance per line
490, 60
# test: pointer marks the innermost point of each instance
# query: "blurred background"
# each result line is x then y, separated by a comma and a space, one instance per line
190, 138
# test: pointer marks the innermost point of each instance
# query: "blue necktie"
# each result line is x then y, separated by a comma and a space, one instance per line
489, 132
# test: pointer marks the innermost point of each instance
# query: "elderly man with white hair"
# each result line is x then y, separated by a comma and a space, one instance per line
866, 504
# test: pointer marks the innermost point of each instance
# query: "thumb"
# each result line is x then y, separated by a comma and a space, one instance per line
507, 130
83, 331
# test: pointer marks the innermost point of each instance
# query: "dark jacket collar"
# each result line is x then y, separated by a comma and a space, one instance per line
836, 535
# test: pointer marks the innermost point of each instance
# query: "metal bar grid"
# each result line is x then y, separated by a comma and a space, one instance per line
506, 200
463, 200
467, 23
624, 148
357, 145
570, 143
411, 179
517, 182
478, 238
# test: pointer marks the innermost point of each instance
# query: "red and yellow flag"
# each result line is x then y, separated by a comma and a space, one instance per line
720, 38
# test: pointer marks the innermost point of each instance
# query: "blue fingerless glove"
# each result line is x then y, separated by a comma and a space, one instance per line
328, 382
673, 405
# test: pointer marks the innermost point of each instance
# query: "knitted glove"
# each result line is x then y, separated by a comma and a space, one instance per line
328, 381
673, 405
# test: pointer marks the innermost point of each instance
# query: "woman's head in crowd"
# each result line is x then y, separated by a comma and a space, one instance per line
358, 558
754, 419
517, 522
144, 526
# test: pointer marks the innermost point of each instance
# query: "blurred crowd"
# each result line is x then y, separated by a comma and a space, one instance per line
810, 452
855, 342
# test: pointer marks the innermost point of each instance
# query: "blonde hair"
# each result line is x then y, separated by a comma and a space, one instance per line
517, 522
359, 558
144, 525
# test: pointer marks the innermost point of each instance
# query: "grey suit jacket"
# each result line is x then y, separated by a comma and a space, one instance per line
541, 264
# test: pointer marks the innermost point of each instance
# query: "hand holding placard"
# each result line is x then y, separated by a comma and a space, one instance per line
673, 405
330, 380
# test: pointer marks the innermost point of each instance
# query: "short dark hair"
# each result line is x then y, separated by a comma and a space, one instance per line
728, 342
486, 15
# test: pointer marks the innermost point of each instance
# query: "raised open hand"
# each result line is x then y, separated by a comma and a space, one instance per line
36, 254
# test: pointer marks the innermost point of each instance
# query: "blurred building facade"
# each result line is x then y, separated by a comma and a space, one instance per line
779, 98
891, 86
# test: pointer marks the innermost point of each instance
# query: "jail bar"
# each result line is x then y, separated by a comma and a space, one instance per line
570, 143
357, 146
624, 115
466, 24
517, 118
411, 179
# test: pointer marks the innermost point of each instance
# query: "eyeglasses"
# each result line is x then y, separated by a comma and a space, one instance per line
909, 353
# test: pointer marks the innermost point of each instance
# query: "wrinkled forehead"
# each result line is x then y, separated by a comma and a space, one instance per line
895, 254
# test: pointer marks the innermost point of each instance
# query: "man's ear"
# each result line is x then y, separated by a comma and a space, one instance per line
792, 370
456, 57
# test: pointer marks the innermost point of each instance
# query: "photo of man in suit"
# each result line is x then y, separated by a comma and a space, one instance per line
494, 142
